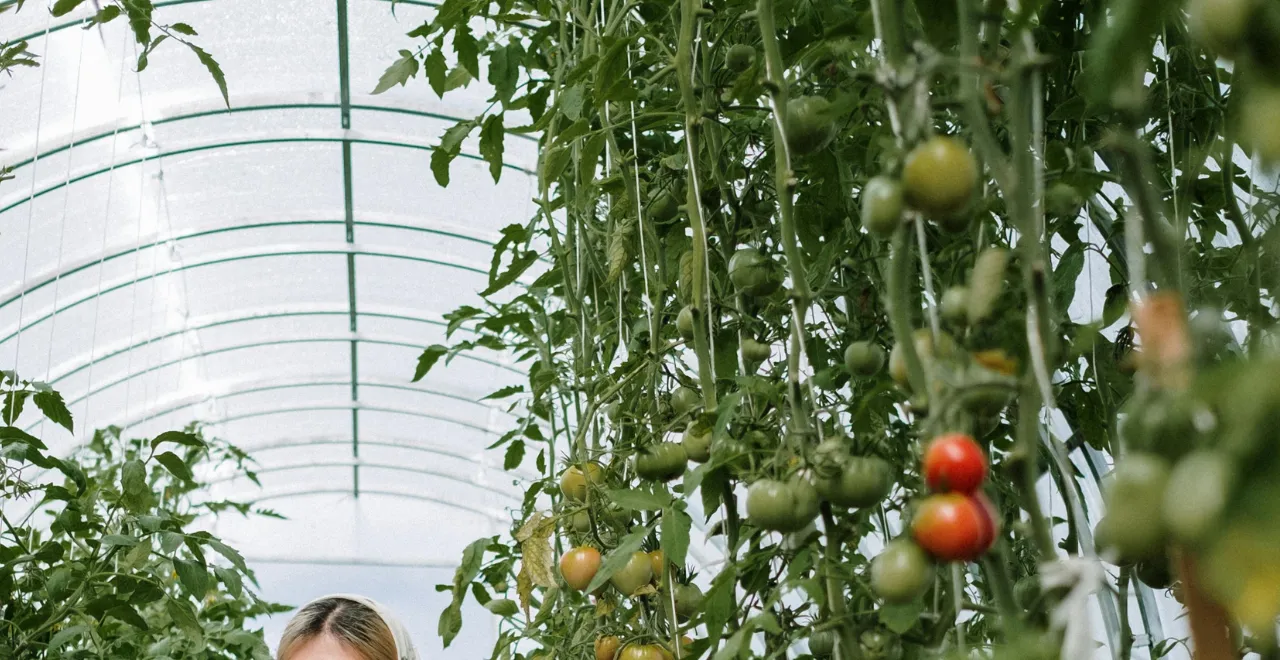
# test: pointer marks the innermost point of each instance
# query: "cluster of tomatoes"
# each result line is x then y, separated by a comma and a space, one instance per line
957, 522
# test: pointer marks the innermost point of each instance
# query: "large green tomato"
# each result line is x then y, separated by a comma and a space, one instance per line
1196, 497
754, 352
661, 462
782, 506
1260, 122
1134, 494
684, 400
810, 126
688, 600
664, 206
637, 572
754, 274
863, 358
863, 481
822, 643
939, 177
882, 206
1220, 24
901, 572
697, 442
955, 306
879, 644
684, 323
740, 58
574, 480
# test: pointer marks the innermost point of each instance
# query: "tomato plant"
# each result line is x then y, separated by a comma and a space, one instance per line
1032, 206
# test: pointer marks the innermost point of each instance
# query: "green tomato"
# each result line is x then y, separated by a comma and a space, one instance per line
940, 177
879, 644
754, 352
684, 323
863, 481
1195, 500
637, 572
664, 205
581, 522
901, 572
697, 442
1155, 572
684, 400
822, 643
882, 206
1220, 25
809, 124
1260, 122
955, 306
740, 57
754, 274
863, 358
1134, 495
781, 506
1062, 200
661, 462
688, 600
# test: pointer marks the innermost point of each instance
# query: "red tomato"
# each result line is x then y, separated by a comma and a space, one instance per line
953, 461
955, 527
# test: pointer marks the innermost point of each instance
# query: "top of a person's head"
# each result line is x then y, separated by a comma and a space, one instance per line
337, 628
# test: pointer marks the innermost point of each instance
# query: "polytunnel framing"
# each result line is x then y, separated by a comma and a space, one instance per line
351, 220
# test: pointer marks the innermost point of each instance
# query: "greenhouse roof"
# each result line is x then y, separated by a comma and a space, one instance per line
273, 268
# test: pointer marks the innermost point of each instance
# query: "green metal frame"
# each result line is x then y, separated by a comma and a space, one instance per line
237, 347
50, 279
320, 441
385, 493
392, 467
238, 258
28, 198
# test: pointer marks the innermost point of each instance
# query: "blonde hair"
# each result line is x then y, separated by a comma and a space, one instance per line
354, 624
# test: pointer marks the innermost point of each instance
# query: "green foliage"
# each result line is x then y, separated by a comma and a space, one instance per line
676, 135
107, 561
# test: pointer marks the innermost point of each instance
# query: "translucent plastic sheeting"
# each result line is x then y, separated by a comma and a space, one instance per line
273, 270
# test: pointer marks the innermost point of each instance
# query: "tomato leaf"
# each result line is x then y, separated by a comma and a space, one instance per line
504, 392
64, 7
451, 618
619, 556
177, 437
675, 535
193, 577
450, 146
900, 618
491, 137
398, 73
54, 408
437, 70
514, 456
639, 500
175, 465
428, 359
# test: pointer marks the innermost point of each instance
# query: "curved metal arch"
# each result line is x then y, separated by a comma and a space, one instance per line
178, 403
340, 136
124, 250
385, 493
171, 3
376, 465
256, 253
377, 441
348, 338
111, 353
214, 108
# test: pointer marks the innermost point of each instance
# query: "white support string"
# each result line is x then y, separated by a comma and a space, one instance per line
137, 248
31, 203
62, 225
102, 251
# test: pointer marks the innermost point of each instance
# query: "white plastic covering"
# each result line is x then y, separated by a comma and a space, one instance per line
167, 260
